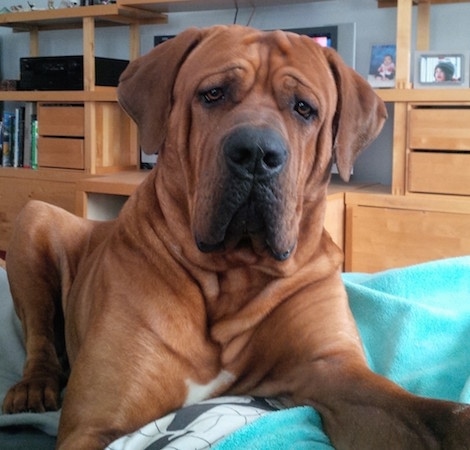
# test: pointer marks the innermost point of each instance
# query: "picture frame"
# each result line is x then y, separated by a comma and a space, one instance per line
441, 69
382, 66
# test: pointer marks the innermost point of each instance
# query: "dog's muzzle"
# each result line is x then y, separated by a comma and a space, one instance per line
250, 209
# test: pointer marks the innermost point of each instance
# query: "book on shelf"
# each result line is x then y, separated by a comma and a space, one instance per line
1, 140
34, 141
30, 116
8, 121
17, 136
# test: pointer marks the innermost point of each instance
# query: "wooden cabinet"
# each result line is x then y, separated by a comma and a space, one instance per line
425, 214
385, 231
17, 186
81, 133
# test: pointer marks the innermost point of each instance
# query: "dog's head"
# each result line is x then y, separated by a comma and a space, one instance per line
253, 120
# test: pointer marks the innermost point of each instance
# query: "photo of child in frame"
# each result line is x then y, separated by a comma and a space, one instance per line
382, 66
445, 71
440, 70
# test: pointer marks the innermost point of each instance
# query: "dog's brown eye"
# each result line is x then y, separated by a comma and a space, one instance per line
304, 109
213, 95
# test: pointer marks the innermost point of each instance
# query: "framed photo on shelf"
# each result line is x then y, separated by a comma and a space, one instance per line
441, 70
382, 66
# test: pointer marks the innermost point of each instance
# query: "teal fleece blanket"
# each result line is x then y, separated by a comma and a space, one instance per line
415, 325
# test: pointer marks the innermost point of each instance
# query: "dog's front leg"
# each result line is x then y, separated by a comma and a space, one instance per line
35, 281
361, 410
309, 350
41, 263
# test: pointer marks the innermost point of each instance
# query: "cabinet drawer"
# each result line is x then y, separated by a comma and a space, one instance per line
439, 173
64, 153
439, 129
61, 120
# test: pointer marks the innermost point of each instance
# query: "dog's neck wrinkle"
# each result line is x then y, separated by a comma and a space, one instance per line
235, 331
243, 303
236, 289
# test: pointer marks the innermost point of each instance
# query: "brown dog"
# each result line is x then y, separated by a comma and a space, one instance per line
218, 276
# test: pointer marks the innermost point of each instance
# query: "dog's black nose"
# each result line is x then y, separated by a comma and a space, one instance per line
250, 151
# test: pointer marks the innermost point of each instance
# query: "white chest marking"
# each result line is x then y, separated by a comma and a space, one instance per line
198, 392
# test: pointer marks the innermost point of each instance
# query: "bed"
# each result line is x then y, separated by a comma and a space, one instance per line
415, 324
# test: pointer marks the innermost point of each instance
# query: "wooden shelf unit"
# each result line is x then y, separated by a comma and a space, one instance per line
425, 214
108, 142
438, 222
102, 115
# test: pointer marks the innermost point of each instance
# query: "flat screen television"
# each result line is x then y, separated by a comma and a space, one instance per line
325, 36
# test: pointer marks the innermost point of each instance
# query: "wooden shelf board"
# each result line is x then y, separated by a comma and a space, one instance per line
167, 6
42, 174
122, 13
393, 3
104, 94
121, 183
424, 95
109, 94
380, 197
51, 19
124, 183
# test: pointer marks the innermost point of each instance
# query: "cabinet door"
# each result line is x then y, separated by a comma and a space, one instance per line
384, 238
15, 193
334, 218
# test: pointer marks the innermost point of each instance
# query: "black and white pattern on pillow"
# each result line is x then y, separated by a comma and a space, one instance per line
198, 426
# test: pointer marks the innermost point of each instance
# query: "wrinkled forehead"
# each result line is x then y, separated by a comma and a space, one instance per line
254, 54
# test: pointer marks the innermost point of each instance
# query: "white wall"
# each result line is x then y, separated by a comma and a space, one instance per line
449, 23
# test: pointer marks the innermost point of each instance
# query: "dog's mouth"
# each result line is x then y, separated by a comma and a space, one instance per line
250, 227
250, 209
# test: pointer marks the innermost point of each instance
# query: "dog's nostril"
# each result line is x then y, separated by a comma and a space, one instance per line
242, 156
273, 159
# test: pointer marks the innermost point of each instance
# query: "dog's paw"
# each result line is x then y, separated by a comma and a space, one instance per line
39, 394
456, 434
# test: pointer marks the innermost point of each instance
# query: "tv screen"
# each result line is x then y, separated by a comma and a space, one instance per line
325, 36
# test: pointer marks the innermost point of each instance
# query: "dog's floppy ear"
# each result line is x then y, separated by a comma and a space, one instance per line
146, 86
360, 114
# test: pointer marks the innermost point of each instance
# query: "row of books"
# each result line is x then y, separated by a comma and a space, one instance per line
18, 137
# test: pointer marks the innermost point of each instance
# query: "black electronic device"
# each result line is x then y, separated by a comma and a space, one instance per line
59, 73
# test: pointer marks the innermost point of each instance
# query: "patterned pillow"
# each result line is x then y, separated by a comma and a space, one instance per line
198, 426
